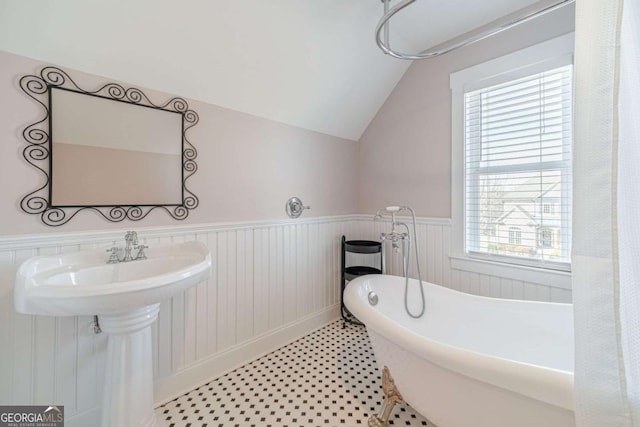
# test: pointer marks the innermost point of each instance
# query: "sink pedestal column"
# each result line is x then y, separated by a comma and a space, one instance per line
128, 385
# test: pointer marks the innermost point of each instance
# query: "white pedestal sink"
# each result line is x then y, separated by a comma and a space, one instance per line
126, 298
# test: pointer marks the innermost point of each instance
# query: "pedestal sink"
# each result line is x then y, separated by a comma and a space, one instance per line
126, 296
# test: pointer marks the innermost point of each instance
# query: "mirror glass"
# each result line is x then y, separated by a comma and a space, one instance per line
107, 152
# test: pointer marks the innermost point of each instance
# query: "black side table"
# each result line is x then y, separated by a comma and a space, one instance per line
348, 273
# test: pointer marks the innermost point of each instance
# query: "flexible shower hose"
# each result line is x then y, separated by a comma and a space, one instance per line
406, 269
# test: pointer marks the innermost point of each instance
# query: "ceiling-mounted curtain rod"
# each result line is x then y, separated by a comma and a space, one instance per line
383, 39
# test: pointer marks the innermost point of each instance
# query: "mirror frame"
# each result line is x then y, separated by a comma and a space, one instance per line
39, 147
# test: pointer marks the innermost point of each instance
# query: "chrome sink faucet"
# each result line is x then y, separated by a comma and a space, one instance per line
141, 254
131, 239
113, 258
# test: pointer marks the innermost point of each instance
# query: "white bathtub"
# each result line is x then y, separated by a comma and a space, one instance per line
471, 361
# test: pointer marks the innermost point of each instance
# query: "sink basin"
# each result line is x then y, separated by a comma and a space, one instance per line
126, 296
81, 283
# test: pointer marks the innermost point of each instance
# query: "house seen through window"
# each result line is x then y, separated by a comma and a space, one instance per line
518, 169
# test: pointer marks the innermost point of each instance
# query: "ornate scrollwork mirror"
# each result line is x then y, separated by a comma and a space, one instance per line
111, 150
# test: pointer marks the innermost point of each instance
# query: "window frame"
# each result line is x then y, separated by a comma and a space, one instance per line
545, 56
474, 171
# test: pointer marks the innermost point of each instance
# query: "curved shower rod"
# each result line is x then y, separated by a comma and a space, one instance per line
389, 12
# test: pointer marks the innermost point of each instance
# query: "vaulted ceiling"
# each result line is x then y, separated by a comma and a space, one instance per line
307, 63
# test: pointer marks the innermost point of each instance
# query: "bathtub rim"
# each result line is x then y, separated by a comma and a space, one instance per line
545, 384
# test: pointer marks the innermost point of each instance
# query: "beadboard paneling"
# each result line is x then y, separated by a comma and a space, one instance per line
434, 240
267, 278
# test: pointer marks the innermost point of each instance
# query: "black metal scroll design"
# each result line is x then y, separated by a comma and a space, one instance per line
38, 150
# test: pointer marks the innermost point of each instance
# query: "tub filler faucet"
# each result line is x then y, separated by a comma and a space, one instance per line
397, 239
403, 239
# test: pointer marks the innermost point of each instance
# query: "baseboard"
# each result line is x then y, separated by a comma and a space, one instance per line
204, 371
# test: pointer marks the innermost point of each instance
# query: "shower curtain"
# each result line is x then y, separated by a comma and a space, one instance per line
606, 214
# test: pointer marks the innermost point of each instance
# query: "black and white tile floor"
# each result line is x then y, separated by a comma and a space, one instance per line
327, 378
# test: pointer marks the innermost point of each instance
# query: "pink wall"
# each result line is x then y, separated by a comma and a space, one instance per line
247, 166
405, 153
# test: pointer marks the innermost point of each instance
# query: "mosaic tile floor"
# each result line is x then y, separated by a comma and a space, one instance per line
327, 378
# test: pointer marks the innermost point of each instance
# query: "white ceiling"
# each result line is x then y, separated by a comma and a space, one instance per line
307, 63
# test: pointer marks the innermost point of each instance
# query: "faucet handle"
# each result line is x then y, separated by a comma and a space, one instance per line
113, 258
131, 236
141, 254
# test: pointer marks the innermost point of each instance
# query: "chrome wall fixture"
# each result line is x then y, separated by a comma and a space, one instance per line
294, 207
382, 29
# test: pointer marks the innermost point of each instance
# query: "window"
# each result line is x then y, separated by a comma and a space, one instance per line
517, 163
511, 157
515, 236
545, 238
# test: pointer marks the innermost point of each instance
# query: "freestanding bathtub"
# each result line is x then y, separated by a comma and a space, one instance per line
471, 361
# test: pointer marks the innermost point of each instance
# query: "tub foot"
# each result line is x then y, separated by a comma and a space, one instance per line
391, 397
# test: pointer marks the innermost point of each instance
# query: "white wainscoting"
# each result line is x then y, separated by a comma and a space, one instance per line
434, 237
272, 282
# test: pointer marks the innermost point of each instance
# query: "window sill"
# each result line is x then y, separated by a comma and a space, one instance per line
543, 276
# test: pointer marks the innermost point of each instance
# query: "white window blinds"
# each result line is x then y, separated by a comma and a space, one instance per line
518, 170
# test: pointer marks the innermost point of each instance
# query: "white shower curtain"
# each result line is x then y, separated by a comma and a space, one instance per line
606, 244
